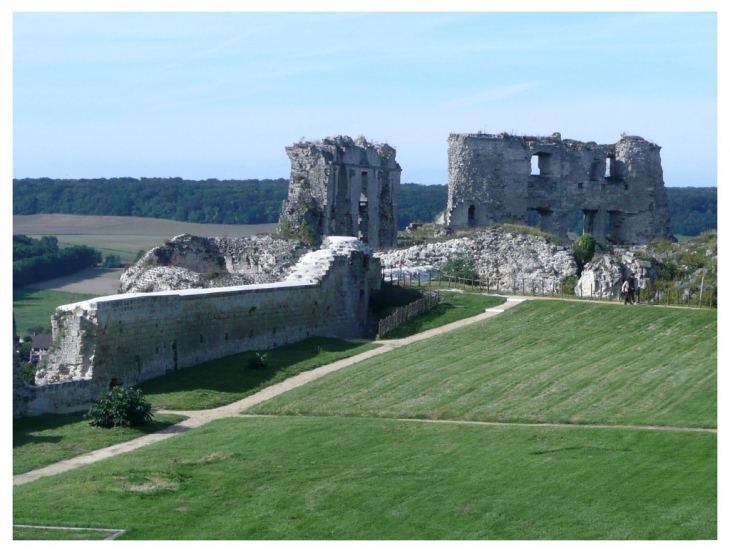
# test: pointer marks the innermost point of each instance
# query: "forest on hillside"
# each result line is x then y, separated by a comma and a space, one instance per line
254, 201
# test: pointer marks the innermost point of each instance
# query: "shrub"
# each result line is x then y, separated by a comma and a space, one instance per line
307, 234
583, 250
258, 361
119, 407
28, 372
568, 284
460, 264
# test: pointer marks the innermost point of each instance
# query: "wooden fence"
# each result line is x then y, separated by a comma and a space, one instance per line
407, 312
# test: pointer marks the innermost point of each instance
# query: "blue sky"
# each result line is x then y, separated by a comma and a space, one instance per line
220, 95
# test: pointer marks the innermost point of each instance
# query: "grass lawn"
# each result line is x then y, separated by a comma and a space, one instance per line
34, 307
541, 361
453, 306
58, 534
223, 381
366, 479
40, 441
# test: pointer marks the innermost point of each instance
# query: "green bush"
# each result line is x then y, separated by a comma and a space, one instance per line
307, 234
28, 372
258, 361
460, 264
568, 284
583, 250
24, 350
119, 407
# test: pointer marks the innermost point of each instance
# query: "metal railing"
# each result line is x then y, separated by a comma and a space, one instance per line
703, 296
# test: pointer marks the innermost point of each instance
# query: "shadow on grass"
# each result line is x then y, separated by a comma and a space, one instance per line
236, 375
40, 441
24, 428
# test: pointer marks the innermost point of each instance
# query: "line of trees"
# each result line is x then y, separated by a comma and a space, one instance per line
35, 260
242, 202
253, 201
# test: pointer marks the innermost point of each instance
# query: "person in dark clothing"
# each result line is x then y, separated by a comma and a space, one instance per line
631, 290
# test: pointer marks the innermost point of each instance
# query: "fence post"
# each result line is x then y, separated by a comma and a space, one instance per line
702, 285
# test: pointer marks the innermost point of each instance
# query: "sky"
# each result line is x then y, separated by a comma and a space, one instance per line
220, 95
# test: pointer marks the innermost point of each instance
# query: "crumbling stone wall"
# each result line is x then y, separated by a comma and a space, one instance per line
342, 187
189, 261
618, 189
126, 339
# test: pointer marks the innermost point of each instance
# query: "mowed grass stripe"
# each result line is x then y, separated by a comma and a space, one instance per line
541, 361
41, 441
334, 478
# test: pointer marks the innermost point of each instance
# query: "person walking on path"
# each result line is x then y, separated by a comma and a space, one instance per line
628, 289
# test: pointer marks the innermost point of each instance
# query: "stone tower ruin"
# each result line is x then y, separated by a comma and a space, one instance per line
342, 187
617, 189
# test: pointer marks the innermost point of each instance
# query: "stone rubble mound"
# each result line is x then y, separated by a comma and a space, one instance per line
601, 278
189, 261
499, 256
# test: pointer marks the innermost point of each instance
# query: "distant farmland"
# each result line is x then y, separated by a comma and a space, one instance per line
123, 236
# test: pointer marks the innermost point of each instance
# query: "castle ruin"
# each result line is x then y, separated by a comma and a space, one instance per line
617, 189
342, 187
126, 339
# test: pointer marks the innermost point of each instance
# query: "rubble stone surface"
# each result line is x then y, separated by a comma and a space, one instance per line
500, 257
189, 261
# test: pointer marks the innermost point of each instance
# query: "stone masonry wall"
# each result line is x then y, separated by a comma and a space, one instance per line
618, 188
126, 339
342, 187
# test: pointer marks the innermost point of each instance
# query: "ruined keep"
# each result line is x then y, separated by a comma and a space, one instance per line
129, 338
617, 189
342, 187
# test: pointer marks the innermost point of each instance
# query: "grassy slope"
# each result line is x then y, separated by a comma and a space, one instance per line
40, 441
453, 306
223, 381
35, 307
365, 478
329, 478
542, 361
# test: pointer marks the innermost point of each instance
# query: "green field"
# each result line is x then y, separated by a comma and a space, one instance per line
330, 461
33, 308
367, 479
541, 361
41, 441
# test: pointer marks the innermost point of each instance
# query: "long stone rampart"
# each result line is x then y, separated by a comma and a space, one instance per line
129, 338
